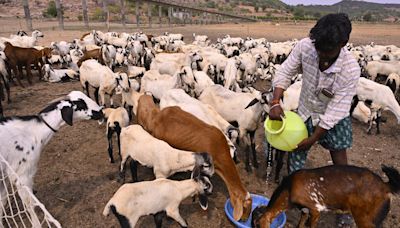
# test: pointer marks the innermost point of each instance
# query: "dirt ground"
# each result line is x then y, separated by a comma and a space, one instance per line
75, 179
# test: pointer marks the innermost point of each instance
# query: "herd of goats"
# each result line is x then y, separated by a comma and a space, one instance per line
193, 104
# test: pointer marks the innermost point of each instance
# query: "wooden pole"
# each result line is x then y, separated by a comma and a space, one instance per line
160, 15
137, 13
85, 14
105, 11
169, 16
60, 14
149, 13
122, 2
27, 14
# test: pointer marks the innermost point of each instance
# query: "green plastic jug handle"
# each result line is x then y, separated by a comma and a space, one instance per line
280, 129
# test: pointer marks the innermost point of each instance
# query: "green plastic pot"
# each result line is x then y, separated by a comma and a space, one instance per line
285, 135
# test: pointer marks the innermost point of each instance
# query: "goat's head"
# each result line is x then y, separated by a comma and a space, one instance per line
3, 55
187, 77
205, 162
123, 81
256, 215
46, 53
37, 33
205, 188
233, 133
241, 206
75, 106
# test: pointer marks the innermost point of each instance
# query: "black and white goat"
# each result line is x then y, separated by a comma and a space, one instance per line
24, 137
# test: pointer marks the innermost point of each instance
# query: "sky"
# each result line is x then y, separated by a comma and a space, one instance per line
330, 2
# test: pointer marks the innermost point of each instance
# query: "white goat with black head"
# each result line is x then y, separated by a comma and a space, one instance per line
24, 137
157, 197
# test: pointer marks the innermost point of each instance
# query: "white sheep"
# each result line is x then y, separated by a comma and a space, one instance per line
117, 119
102, 78
393, 81
24, 41
374, 68
58, 75
135, 71
165, 160
202, 81
135, 200
108, 54
23, 138
245, 109
231, 73
378, 94
158, 84
170, 63
291, 96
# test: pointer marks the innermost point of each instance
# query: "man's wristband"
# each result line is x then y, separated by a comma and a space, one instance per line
274, 106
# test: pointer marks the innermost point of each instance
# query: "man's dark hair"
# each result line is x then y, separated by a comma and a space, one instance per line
331, 31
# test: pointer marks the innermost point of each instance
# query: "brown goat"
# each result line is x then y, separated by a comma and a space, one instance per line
92, 54
184, 131
340, 188
18, 57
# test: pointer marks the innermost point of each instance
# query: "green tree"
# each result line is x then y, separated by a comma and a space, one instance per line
51, 10
367, 17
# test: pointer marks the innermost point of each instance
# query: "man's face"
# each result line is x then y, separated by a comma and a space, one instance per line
329, 56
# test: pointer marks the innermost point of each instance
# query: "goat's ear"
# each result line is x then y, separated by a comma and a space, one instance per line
203, 200
196, 172
253, 102
67, 114
237, 208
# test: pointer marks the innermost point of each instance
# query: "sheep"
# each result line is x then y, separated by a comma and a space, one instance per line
117, 119
158, 84
63, 48
374, 68
120, 56
361, 112
57, 75
202, 81
339, 188
108, 53
172, 63
135, 72
149, 55
184, 131
134, 200
102, 78
393, 81
206, 113
173, 37
291, 97
19, 57
245, 109
24, 137
136, 52
230, 74
24, 41
164, 159
379, 94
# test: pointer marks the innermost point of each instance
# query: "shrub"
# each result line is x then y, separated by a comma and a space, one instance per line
51, 10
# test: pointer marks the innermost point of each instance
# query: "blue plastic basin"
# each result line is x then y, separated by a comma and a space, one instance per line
278, 222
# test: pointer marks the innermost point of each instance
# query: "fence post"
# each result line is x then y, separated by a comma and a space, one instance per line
149, 13
122, 2
85, 15
137, 13
160, 15
169, 16
27, 14
105, 11
60, 14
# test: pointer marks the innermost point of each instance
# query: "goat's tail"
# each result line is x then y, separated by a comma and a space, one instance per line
394, 178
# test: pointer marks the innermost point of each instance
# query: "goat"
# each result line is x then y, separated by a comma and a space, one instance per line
164, 159
57, 75
132, 201
19, 57
23, 137
102, 78
116, 120
185, 132
360, 192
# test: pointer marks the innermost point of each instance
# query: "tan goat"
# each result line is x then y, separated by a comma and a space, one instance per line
184, 131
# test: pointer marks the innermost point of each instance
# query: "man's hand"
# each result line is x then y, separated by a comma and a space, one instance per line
305, 144
276, 112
